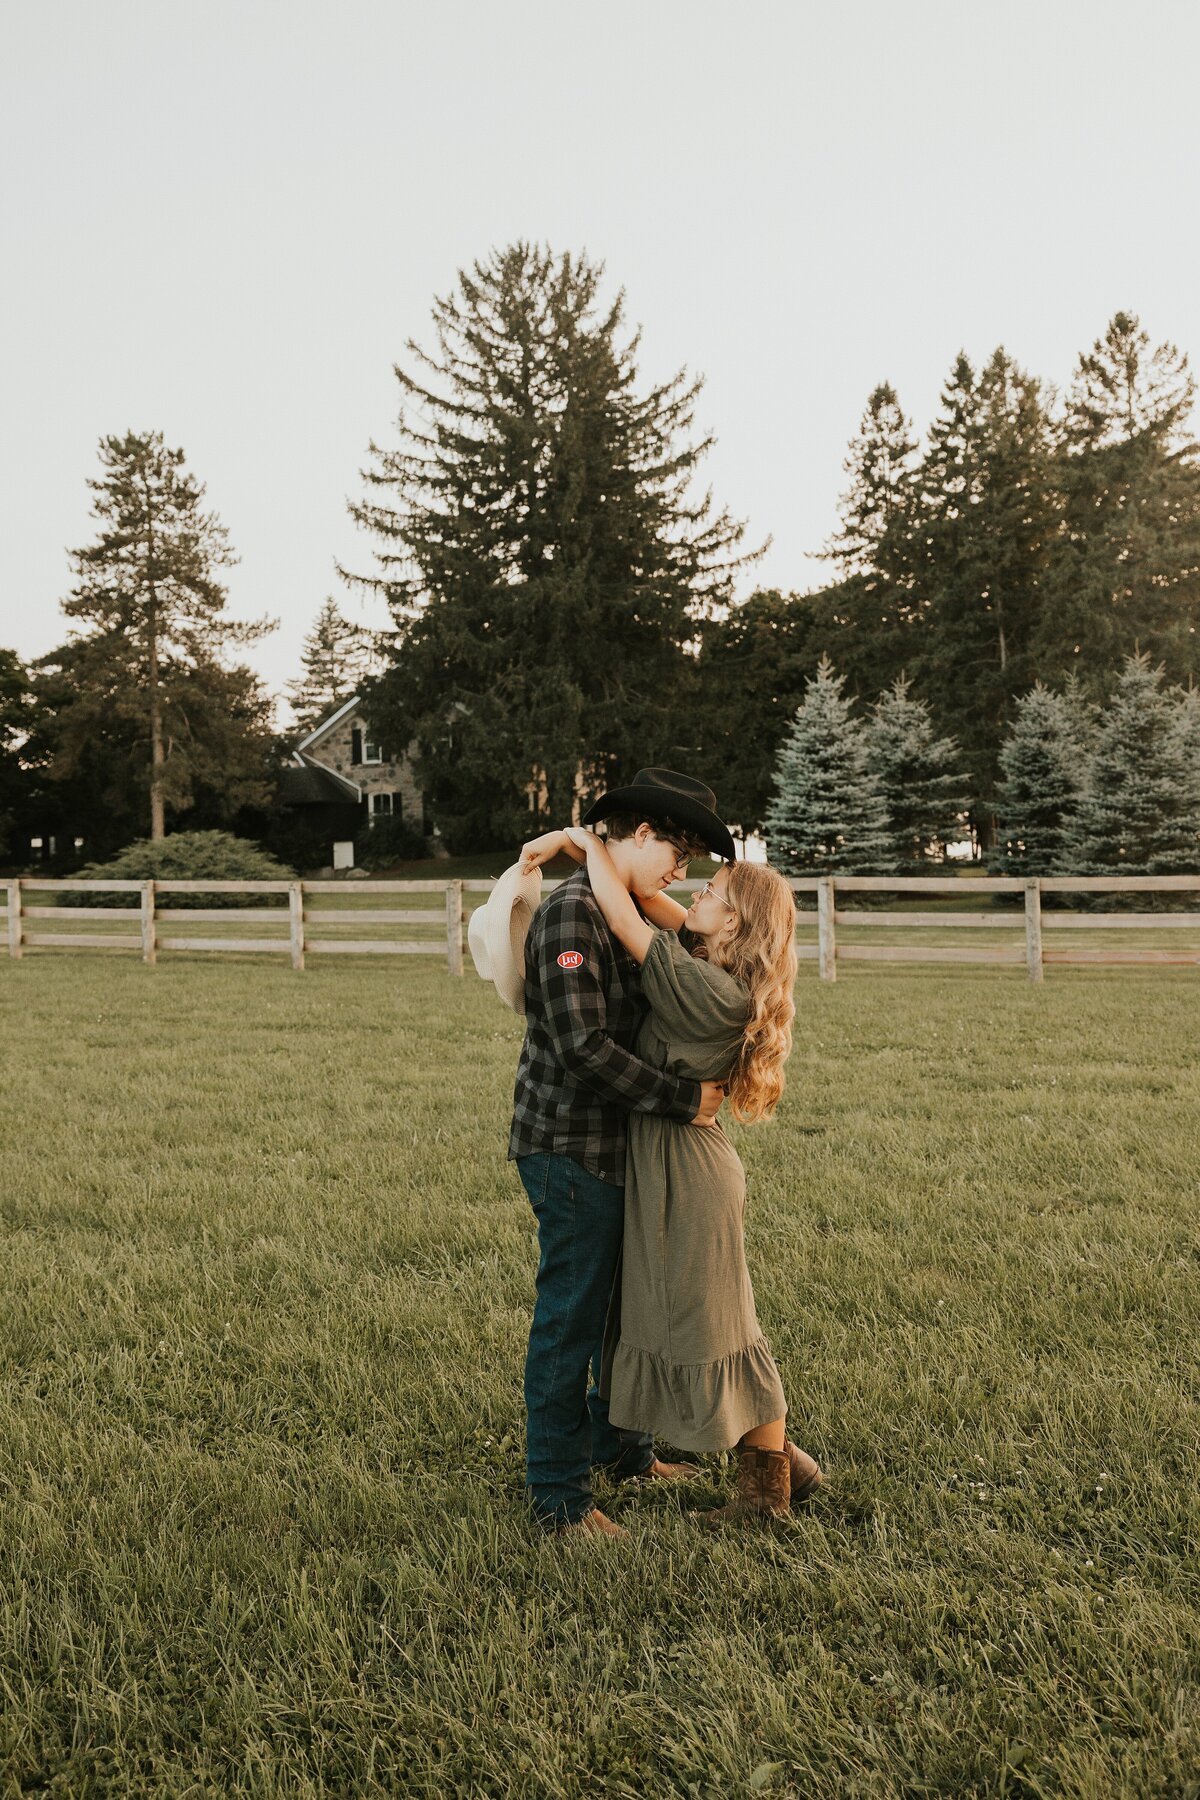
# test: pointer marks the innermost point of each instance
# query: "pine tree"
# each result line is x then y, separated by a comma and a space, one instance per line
544, 560
336, 659
827, 811
1126, 569
1042, 765
985, 521
148, 668
1139, 809
876, 510
869, 613
924, 788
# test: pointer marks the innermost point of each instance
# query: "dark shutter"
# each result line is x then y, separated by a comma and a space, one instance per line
398, 805
355, 745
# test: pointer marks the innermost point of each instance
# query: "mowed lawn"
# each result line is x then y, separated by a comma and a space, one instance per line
267, 1282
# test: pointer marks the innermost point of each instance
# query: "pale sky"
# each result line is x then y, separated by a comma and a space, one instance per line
223, 219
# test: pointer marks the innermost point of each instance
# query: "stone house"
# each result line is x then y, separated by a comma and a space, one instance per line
339, 766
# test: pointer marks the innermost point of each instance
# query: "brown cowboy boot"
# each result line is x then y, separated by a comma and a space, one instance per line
764, 1486
806, 1474
593, 1524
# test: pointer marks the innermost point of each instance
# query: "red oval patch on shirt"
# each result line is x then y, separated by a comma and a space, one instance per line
570, 959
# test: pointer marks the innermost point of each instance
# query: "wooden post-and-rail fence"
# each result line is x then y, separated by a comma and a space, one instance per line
159, 928
1031, 918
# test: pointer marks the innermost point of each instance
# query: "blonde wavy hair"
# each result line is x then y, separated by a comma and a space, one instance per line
761, 955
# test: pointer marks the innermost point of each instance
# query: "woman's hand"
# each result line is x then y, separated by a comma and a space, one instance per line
540, 849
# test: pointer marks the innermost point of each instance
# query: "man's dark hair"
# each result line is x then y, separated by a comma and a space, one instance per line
621, 825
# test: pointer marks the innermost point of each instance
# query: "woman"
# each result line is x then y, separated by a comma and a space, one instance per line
684, 1356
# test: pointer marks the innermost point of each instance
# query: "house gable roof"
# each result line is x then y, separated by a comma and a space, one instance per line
318, 731
305, 782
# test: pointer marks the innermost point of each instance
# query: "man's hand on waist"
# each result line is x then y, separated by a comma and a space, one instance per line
711, 1095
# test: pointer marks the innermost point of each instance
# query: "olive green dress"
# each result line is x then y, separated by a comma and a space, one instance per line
684, 1357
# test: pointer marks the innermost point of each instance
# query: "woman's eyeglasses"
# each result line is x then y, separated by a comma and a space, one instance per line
708, 888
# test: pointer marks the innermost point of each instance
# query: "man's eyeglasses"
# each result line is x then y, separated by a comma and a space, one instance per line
683, 856
708, 888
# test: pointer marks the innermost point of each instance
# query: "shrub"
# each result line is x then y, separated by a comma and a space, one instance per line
387, 842
306, 847
186, 856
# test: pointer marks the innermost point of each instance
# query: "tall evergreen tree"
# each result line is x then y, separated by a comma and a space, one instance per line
540, 548
827, 811
1126, 571
924, 788
335, 661
986, 519
867, 620
1042, 765
1139, 809
147, 666
876, 509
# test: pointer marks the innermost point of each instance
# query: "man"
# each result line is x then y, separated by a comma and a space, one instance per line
577, 1079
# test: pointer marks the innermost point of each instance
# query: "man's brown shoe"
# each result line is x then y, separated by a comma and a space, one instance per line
592, 1524
661, 1471
806, 1474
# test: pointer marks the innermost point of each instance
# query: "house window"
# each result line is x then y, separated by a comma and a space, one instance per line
385, 806
372, 753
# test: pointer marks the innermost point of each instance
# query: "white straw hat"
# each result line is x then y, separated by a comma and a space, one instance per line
497, 933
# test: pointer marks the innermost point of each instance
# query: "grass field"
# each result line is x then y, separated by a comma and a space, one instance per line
267, 1285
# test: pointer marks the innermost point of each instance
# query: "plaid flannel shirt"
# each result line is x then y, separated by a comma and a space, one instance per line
578, 1076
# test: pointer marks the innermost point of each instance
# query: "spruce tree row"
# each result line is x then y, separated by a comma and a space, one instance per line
852, 795
1084, 789
1089, 790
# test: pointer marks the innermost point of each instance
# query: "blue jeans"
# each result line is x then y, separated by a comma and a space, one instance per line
580, 1220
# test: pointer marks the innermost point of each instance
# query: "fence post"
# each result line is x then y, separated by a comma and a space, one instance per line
1033, 929
826, 941
296, 919
149, 934
14, 917
454, 954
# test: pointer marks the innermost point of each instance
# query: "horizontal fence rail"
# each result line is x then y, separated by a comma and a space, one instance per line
288, 925
295, 928
1032, 920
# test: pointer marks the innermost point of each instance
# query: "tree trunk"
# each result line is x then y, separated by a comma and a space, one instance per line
158, 829
1000, 633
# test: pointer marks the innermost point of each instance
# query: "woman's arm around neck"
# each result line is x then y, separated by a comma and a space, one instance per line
614, 899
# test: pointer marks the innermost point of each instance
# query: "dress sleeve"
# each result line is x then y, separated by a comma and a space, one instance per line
691, 1000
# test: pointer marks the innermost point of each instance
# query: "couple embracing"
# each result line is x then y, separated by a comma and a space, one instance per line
642, 1017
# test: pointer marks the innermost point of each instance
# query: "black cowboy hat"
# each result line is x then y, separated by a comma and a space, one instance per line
662, 794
